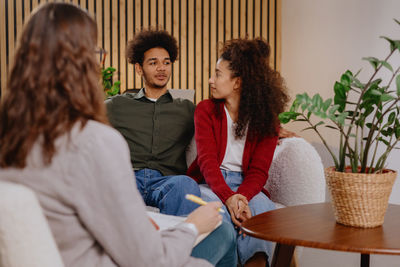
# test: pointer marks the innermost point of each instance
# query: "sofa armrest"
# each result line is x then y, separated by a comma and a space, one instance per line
296, 175
25, 236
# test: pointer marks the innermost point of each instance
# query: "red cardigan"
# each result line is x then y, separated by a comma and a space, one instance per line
211, 139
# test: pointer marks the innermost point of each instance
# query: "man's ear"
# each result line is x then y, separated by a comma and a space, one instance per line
138, 69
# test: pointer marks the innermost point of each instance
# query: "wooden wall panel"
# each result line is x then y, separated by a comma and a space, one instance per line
200, 27
130, 12
191, 41
3, 46
183, 68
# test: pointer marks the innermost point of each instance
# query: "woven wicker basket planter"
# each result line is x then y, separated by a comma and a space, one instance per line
360, 199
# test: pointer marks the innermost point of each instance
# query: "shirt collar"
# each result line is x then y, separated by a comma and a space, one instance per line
167, 97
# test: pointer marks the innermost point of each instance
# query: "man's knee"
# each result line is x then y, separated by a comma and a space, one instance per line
187, 185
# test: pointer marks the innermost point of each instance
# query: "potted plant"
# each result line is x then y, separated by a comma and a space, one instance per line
111, 88
365, 115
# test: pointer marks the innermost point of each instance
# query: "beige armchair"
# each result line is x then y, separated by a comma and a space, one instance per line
25, 236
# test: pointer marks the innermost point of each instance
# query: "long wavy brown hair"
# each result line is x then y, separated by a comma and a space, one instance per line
53, 83
263, 93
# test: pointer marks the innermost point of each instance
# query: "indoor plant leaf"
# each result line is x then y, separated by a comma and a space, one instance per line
373, 61
398, 85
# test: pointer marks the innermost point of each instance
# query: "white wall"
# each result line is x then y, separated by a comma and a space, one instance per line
321, 39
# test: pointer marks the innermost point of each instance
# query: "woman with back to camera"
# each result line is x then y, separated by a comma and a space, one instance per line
236, 134
54, 139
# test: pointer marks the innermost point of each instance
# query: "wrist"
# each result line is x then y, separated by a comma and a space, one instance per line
191, 226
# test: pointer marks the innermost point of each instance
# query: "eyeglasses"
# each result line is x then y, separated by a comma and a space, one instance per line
102, 53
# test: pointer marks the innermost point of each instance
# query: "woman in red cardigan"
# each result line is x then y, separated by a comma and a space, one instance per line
236, 134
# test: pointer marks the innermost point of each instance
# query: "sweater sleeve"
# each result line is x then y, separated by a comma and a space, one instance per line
256, 173
207, 150
112, 210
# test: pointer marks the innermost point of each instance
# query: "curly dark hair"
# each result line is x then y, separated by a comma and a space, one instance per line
263, 93
148, 39
53, 83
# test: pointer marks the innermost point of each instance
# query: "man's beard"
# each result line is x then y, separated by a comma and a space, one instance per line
154, 85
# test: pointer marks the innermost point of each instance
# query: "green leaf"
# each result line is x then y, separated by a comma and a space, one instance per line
375, 92
387, 65
283, 118
384, 141
326, 104
319, 123
317, 101
308, 128
392, 43
391, 118
348, 72
397, 132
398, 22
360, 122
321, 114
398, 84
333, 109
373, 61
386, 97
330, 126
341, 118
286, 117
345, 79
368, 110
357, 83
339, 89
397, 44
110, 69
304, 106
302, 98
340, 96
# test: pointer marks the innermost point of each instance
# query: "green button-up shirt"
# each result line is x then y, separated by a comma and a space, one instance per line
157, 132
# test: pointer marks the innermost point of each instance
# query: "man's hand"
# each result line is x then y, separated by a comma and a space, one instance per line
238, 208
283, 133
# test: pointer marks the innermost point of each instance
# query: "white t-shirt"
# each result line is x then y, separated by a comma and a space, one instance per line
234, 147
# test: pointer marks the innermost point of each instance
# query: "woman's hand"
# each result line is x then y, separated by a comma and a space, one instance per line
206, 217
238, 208
244, 210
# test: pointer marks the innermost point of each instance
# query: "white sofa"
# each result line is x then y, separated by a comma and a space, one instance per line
296, 175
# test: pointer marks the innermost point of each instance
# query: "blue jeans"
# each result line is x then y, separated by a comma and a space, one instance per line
219, 248
167, 192
260, 203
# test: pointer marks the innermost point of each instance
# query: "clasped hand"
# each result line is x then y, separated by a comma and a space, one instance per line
239, 209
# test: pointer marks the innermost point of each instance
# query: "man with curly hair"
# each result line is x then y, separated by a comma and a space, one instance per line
157, 127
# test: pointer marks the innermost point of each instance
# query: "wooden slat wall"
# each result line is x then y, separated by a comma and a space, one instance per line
200, 26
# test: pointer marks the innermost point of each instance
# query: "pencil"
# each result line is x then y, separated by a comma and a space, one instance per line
199, 201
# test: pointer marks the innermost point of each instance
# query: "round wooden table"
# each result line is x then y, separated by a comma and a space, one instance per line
314, 226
